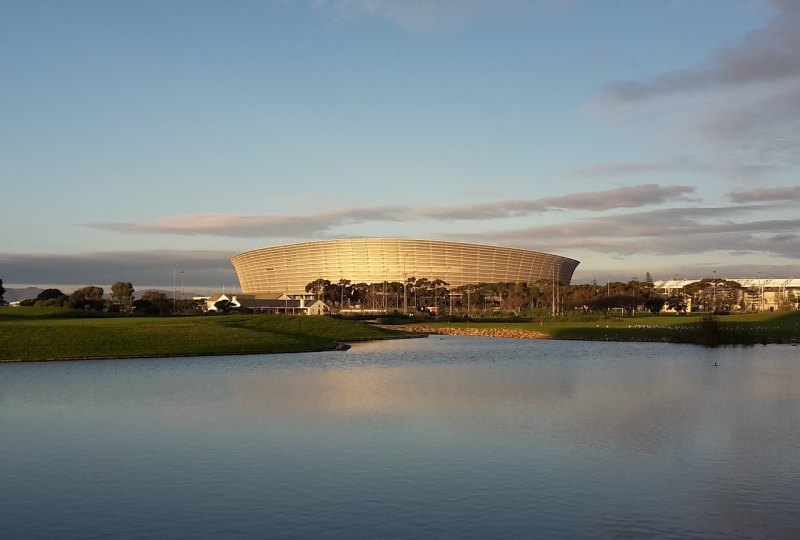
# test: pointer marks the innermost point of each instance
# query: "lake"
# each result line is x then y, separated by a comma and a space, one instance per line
450, 437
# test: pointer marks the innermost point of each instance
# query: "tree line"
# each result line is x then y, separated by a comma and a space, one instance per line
438, 296
423, 294
121, 300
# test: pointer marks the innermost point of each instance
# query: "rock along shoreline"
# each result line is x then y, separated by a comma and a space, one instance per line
478, 332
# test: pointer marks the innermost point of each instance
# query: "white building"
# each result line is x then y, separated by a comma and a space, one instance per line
271, 304
756, 294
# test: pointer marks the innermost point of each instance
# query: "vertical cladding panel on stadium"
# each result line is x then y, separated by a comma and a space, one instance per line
290, 267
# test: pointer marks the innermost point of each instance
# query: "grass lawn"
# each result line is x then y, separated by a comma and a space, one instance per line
767, 326
28, 333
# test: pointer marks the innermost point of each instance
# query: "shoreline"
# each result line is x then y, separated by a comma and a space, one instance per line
511, 333
341, 346
412, 331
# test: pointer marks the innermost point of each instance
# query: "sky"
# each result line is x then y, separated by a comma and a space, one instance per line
144, 140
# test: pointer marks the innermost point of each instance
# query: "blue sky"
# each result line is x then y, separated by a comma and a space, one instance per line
634, 136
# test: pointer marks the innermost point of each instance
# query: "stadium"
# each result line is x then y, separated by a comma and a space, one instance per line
289, 268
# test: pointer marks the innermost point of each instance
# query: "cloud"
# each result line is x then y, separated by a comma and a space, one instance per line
770, 194
767, 55
759, 128
697, 271
202, 269
622, 168
672, 231
669, 232
253, 226
315, 225
741, 104
625, 197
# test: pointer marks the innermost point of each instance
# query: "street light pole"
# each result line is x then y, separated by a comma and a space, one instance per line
714, 294
450, 294
405, 284
286, 294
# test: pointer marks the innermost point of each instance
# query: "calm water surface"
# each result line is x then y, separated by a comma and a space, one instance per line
444, 438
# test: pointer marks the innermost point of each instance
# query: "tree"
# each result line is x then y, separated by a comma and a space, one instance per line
787, 302
50, 294
318, 287
51, 298
518, 296
791, 298
677, 304
122, 294
156, 297
88, 298
224, 306
153, 303
359, 294
344, 291
2, 292
654, 304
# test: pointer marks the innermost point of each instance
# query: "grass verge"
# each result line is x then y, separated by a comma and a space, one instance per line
746, 329
52, 334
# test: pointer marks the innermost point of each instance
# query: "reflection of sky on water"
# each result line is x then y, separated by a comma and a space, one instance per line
575, 438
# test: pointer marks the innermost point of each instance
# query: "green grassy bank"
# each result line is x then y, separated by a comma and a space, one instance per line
51, 334
771, 327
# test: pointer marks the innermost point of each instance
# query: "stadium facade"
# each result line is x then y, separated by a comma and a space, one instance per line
289, 268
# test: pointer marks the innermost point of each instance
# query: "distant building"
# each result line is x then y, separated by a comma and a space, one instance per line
264, 304
755, 294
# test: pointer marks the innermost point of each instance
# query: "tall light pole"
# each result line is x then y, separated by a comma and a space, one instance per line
183, 291
405, 284
450, 294
714, 293
175, 289
286, 294
269, 275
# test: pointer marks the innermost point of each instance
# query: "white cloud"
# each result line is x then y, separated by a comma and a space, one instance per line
739, 107
787, 194
673, 231
142, 268
314, 225
767, 55
624, 168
